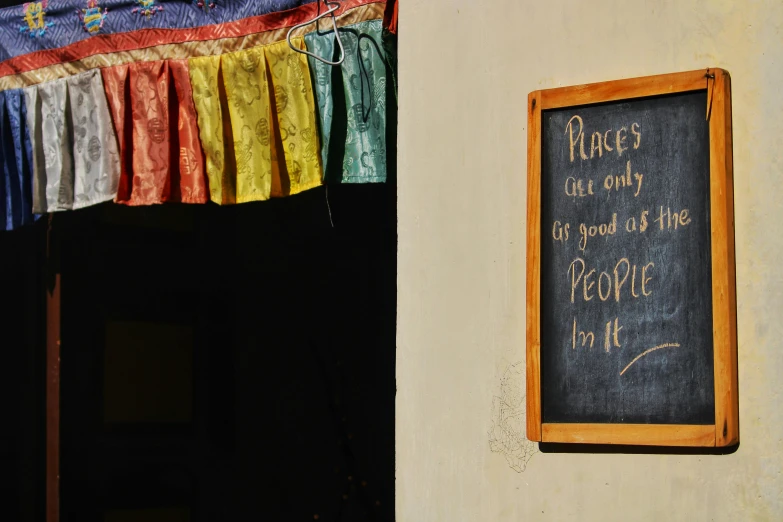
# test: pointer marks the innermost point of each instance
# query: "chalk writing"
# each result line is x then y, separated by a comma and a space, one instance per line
625, 279
612, 281
646, 352
625, 262
577, 137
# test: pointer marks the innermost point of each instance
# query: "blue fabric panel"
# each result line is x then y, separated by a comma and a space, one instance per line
16, 188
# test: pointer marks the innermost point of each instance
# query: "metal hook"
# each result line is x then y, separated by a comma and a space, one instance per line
334, 6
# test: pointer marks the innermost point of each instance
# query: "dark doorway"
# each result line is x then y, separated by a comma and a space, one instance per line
22, 374
229, 363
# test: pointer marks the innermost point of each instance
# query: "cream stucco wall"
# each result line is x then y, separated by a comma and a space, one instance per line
466, 67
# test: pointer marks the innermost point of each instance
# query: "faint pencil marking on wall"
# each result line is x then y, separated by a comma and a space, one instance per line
507, 434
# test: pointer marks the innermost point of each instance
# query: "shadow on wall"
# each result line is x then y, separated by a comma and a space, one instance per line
508, 433
551, 447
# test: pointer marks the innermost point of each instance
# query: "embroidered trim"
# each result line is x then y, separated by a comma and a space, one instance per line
204, 5
34, 13
92, 18
147, 8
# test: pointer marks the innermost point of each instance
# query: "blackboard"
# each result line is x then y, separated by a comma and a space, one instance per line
646, 272
624, 252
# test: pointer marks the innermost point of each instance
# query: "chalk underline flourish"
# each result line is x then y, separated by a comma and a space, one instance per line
646, 352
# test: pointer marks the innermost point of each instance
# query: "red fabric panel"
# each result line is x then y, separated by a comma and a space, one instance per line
112, 43
149, 87
156, 125
390, 16
115, 82
190, 186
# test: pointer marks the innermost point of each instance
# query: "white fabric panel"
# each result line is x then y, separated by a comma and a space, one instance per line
58, 163
95, 153
33, 103
75, 155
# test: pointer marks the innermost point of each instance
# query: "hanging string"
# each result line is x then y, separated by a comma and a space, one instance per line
365, 75
328, 207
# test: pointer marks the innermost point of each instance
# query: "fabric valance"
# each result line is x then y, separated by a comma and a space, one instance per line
191, 112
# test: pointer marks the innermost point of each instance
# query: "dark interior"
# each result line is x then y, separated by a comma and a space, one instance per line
217, 363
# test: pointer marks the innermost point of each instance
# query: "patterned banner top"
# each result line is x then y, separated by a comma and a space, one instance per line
49, 24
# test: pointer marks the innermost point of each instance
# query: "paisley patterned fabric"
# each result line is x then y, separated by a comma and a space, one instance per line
155, 120
74, 155
352, 104
256, 115
16, 186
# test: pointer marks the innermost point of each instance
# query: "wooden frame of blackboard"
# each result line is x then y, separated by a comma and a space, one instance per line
725, 431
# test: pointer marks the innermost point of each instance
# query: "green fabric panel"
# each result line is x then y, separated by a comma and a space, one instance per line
354, 102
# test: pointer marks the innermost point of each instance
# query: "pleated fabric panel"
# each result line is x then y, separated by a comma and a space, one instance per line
155, 120
75, 161
256, 116
52, 162
16, 186
353, 100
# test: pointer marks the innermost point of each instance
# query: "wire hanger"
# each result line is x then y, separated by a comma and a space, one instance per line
333, 6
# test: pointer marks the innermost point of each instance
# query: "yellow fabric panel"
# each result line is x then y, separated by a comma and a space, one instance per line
295, 108
256, 107
205, 78
247, 93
